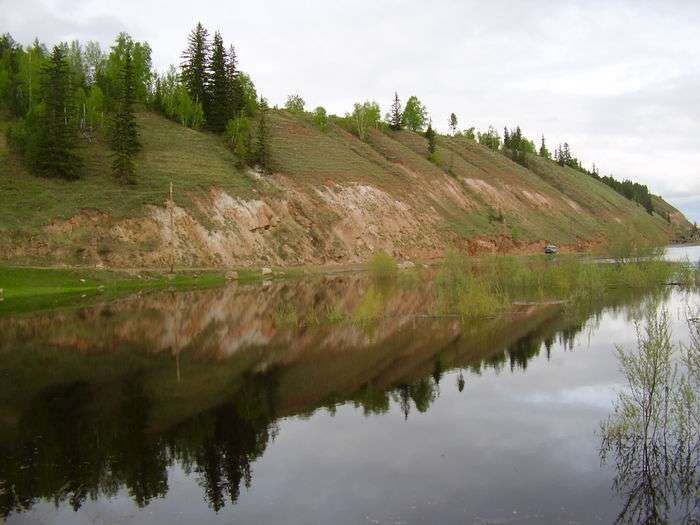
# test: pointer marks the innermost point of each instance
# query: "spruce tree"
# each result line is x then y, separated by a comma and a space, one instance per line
235, 91
195, 67
261, 155
55, 155
544, 152
125, 139
396, 114
430, 135
219, 89
453, 123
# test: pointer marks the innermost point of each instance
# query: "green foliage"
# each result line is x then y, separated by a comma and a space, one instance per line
478, 288
652, 434
371, 307
462, 292
195, 67
383, 266
516, 146
249, 96
321, 118
56, 138
261, 155
633, 191
452, 123
623, 247
490, 139
219, 89
395, 115
415, 115
94, 108
364, 117
544, 152
233, 82
173, 100
469, 134
109, 75
238, 136
29, 78
294, 104
430, 135
125, 139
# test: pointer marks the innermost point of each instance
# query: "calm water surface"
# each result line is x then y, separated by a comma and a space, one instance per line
266, 404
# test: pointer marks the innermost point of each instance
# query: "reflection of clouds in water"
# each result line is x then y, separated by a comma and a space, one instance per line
594, 396
683, 253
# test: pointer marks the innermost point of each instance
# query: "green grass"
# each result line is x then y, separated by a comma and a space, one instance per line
194, 161
383, 266
33, 289
476, 288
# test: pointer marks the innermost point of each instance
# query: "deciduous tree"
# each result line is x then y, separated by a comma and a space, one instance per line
294, 104
364, 117
414, 114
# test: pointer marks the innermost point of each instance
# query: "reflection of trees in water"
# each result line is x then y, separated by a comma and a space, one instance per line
221, 444
653, 435
74, 445
68, 451
77, 441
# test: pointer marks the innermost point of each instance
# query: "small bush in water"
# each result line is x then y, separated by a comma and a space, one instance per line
383, 266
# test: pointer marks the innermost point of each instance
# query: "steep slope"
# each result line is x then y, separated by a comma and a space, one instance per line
331, 198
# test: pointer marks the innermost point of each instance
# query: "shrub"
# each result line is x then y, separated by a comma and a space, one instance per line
294, 104
238, 137
383, 266
321, 118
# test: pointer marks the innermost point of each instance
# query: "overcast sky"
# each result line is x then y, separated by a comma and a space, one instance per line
618, 80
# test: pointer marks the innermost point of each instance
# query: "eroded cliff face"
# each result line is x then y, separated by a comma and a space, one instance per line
330, 199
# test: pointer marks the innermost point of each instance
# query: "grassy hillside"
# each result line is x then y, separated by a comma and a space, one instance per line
194, 161
331, 198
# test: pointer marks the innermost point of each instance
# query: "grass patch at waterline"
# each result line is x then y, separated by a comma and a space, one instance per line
31, 289
481, 288
383, 266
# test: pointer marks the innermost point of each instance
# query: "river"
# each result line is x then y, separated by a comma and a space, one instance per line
269, 404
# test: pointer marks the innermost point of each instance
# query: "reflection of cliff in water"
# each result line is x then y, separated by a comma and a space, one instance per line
109, 397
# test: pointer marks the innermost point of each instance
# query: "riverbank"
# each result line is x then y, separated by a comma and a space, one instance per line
26, 289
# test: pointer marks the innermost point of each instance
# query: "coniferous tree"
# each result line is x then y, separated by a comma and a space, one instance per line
55, 155
125, 139
453, 123
195, 67
219, 88
544, 152
262, 142
430, 135
235, 91
396, 114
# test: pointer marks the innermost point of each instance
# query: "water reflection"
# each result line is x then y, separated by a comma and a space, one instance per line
110, 397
